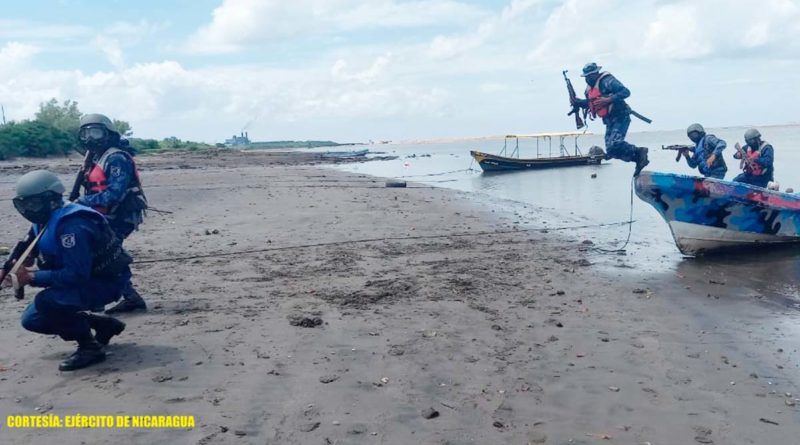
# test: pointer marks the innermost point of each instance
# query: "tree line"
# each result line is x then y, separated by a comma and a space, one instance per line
54, 132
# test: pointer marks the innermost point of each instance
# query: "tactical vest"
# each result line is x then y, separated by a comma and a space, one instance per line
109, 259
96, 181
593, 93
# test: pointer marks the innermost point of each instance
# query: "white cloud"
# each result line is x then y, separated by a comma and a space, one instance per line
238, 23
344, 82
450, 46
133, 32
112, 50
367, 76
15, 58
677, 33
676, 30
165, 98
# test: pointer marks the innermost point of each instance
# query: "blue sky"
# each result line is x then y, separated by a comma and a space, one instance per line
353, 70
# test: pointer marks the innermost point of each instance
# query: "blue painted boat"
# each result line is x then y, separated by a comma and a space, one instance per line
709, 215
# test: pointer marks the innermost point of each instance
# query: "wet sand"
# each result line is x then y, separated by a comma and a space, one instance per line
510, 337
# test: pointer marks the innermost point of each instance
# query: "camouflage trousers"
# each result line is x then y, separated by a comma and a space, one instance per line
616, 147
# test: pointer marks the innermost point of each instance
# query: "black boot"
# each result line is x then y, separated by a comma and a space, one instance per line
131, 301
641, 160
89, 352
105, 327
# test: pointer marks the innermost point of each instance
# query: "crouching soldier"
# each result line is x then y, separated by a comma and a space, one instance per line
81, 265
758, 160
707, 155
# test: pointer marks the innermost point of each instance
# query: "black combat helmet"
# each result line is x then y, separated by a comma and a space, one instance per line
38, 193
97, 132
695, 132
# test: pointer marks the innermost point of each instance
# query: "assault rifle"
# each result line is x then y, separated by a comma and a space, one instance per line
573, 98
745, 162
680, 148
19, 257
76, 186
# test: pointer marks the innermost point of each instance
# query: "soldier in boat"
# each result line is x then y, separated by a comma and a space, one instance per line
707, 155
758, 160
605, 97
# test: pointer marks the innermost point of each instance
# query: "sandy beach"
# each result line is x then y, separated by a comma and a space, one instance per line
440, 324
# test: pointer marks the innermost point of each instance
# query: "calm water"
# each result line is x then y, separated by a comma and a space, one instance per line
569, 196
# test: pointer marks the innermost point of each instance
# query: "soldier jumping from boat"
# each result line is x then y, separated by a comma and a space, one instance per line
757, 160
605, 97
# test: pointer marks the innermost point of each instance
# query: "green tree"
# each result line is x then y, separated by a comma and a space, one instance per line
123, 127
33, 139
66, 117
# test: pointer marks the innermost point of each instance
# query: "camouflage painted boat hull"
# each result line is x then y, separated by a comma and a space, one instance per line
709, 215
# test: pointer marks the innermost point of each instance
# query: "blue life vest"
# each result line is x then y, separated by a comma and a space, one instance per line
49, 245
109, 259
700, 149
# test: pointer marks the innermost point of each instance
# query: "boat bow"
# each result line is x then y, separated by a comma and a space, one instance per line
706, 214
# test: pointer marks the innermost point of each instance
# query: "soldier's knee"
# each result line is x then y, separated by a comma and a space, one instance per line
31, 319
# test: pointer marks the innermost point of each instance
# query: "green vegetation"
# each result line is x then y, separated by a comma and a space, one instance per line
54, 132
167, 144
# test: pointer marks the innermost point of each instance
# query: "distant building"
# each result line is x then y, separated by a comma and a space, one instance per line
238, 140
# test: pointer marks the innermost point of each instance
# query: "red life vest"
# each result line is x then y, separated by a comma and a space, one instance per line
96, 180
593, 93
753, 155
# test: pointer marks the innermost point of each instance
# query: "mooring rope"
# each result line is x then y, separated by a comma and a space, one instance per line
372, 240
630, 228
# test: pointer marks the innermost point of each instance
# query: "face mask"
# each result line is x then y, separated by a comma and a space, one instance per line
36, 209
695, 137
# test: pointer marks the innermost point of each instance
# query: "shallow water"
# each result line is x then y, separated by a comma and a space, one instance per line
569, 196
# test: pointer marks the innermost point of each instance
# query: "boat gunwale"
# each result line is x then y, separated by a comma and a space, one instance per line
755, 194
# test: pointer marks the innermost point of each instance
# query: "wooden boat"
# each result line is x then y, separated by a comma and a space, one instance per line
709, 215
500, 162
345, 154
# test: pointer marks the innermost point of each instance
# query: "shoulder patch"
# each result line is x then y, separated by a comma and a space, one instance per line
68, 240
115, 170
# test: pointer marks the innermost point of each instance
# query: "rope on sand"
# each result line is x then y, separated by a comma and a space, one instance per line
372, 240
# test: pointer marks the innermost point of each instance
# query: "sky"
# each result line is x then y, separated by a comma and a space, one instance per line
354, 70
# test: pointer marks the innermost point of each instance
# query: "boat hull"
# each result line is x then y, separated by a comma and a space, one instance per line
344, 154
707, 215
493, 163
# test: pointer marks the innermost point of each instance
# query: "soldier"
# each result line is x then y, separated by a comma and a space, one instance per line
605, 97
112, 187
707, 155
759, 165
81, 265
